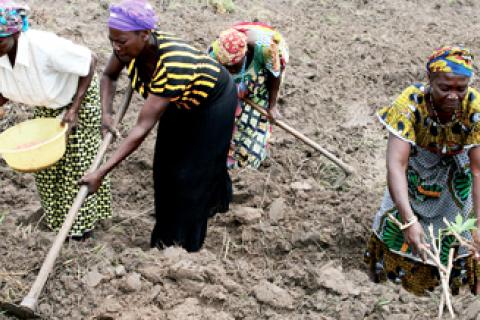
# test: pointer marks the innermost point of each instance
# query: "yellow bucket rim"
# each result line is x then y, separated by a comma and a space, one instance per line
55, 137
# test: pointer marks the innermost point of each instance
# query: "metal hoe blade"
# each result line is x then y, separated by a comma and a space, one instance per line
19, 311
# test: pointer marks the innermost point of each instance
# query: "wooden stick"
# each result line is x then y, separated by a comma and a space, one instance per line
13, 274
436, 261
436, 251
448, 301
297, 134
441, 306
442, 296
444, 274
445, 298
31, 299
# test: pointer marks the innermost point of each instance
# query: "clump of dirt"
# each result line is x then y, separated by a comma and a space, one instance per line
291, 246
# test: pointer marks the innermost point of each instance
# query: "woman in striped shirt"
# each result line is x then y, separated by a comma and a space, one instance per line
195, 98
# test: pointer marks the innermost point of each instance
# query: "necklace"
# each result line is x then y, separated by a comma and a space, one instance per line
455, 119
457, 115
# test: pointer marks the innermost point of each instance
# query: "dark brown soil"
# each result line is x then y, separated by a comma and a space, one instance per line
299, 256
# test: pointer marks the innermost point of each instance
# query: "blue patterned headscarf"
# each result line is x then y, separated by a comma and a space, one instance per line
13, 18
456, 60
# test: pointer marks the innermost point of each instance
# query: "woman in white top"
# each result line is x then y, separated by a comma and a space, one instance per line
54, 75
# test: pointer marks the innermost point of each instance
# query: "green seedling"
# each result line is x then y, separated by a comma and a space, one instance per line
434, 253
461, 226
3, 215
383, 302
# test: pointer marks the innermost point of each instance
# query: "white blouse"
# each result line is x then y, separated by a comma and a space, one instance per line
46, 71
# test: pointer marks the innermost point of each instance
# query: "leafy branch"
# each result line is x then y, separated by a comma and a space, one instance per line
433, 252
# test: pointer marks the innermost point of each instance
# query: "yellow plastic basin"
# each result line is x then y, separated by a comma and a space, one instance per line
33, 145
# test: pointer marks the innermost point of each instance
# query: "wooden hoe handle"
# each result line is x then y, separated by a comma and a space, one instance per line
297, 134
31, 299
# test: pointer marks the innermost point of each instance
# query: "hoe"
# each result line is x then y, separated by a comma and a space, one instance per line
27, 308
348, 170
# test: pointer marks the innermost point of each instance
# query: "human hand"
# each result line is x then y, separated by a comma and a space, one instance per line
107, 125
273, 113
242, 91
70, 118
415, 237
92, 180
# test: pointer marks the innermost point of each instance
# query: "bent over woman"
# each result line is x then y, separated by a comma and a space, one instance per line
54, 75
433, 166
256, 55
193, 99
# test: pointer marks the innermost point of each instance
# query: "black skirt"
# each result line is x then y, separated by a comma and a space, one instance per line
190, 173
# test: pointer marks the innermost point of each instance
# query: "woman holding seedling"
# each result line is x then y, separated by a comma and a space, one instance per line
433, 166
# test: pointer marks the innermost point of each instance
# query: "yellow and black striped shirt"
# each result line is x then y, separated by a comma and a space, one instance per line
183, 74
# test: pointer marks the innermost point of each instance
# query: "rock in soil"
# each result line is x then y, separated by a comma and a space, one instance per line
247, 215
271, 294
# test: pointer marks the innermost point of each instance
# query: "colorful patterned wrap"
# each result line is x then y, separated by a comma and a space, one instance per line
13, 18
457, 60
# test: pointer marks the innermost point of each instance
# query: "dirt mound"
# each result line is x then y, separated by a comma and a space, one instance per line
292, 245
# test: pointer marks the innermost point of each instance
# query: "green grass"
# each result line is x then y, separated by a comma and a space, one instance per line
2, 217
223, 6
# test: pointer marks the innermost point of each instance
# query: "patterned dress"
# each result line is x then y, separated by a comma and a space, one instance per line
58, 184
439, 183
252, 130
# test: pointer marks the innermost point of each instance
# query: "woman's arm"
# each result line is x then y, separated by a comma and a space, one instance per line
150, 113
474, 155
108, 84
273, 86
398, 152
71, 116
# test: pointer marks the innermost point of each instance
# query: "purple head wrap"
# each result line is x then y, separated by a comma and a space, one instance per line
132, 15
